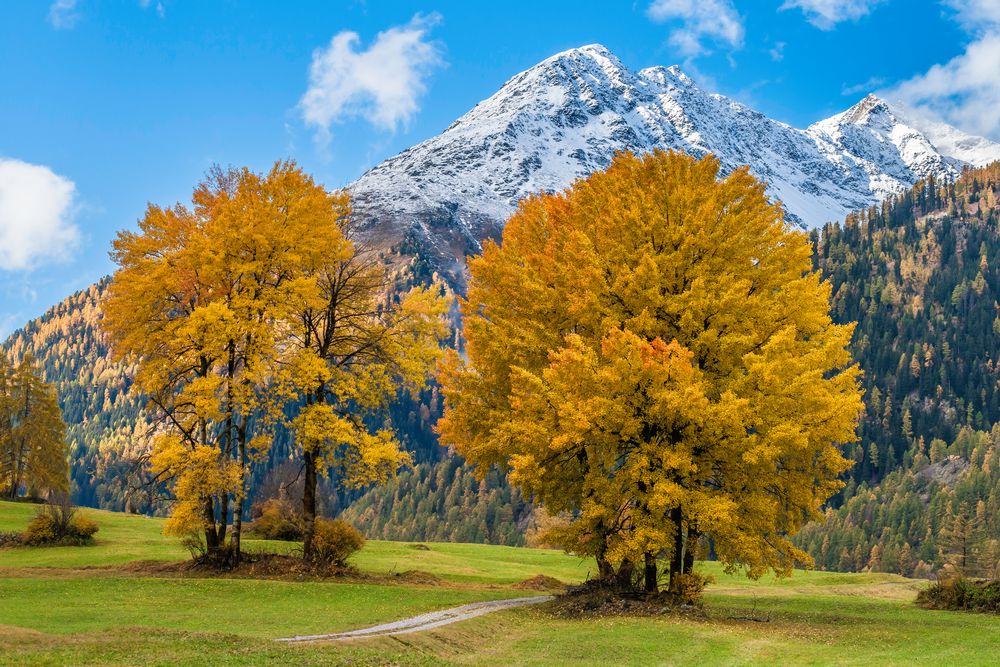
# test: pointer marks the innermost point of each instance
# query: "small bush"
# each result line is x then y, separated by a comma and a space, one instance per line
692, 587
335, 540
277, 521
10, 539
957, 592
41, 530
83, 527
59, 523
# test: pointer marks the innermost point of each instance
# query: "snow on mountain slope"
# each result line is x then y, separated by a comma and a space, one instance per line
568, 115
950, 141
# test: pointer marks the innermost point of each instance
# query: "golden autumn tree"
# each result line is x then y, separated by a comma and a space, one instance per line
650, 354
355, 345
251, 305
264, 233
201, 303
33, 450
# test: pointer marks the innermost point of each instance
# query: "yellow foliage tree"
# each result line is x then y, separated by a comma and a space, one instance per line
253, 303
201, 303
651, 354
33, 450
355, 346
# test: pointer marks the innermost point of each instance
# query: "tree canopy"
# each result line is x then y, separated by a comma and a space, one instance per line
650, 354
33, 452
217, 305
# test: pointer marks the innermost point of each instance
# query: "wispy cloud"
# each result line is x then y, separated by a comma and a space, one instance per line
826, 14
63, 14
158, 6
965, 91
382, 84
777, 52
868, 86
700, 21
37, 207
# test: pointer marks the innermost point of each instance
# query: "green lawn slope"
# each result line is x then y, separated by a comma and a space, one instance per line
105, 604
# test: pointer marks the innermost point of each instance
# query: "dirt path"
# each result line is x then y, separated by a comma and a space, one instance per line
423, 622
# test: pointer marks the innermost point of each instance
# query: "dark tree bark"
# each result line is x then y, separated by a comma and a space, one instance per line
677, 557
649, 573
309, 505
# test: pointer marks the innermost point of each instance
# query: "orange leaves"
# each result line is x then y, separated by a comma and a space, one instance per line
653, 340
205, 301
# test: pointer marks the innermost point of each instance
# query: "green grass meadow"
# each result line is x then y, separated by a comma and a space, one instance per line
100, 604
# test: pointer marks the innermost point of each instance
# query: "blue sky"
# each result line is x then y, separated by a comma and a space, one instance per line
110, 104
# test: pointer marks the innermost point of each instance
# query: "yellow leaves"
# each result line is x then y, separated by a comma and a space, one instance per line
345, 443
252, 299
651, 340
197, 474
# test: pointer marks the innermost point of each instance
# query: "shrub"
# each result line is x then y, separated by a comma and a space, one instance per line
957, 592
335, 540
41, 530
277, 521
692, 587
83, 527
59, 523
9, 539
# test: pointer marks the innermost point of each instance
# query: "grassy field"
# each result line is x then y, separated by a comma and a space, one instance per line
93, 605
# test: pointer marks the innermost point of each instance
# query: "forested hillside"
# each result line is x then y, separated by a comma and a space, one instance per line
106, 425
941, 508
920, 275
443, 502
108, 428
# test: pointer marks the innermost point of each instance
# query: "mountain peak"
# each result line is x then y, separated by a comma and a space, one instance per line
588, 53
567, 116
594, 49
871, 105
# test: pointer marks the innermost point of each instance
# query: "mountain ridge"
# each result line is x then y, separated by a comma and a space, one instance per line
566, 117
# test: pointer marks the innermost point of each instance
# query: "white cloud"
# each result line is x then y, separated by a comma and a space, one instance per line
826, 14
63, 14
976, 15
965, 91
864, 87
36, 215
777, 52
382, 84
160, 9
700, 19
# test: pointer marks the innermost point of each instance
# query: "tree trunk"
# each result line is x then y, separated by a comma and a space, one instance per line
211, 537
649, 578
309, 505
17, 471
690, 549
227, 451
677, 557
623, 580
605, 570
223, 523
238, 509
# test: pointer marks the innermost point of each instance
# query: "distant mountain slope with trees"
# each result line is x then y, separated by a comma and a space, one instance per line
920, 275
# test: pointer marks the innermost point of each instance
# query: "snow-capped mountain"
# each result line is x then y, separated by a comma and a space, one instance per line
568, 115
